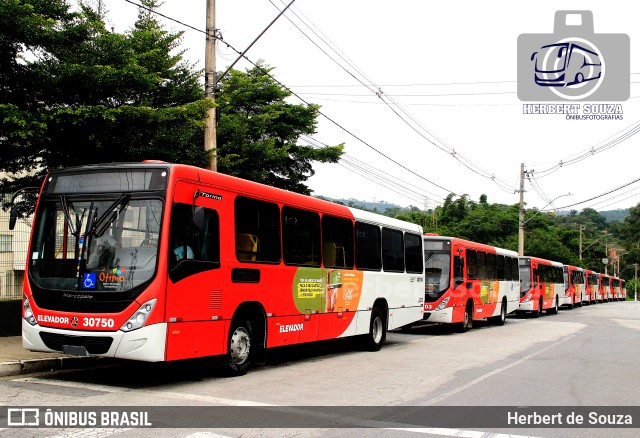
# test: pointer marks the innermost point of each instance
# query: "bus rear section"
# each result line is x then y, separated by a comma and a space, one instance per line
592, 288
465, 281
542, 285
574, 286
162, 262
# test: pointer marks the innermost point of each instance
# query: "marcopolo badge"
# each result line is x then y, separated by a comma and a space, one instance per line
573, 63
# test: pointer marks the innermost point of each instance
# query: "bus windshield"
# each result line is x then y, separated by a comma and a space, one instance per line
437, 272
85, 244
525, 276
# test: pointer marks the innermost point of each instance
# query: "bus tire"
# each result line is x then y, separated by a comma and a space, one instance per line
377, 330
467, 321
238, 359
500, 319
553, 310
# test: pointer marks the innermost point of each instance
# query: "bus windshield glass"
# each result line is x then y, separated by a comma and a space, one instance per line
525, 276
95, 245
437, 258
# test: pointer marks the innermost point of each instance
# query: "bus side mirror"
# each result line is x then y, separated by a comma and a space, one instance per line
13, 216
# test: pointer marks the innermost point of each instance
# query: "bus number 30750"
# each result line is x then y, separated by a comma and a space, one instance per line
98, 322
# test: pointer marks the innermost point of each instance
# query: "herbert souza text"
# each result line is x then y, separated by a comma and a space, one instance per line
571, 419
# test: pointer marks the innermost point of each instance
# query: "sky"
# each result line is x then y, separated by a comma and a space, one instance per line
423, 95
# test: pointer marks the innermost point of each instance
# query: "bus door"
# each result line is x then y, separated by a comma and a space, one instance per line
196, 281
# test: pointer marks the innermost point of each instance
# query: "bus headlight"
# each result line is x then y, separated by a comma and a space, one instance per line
28, 313
442, 305
527, 298
138, 319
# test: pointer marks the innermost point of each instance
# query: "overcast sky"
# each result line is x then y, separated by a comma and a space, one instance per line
452, 121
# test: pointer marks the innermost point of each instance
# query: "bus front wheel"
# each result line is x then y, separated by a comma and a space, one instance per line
238, 359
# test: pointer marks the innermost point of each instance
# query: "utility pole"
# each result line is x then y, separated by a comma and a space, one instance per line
209, 85
581, 228
636, 284
521, 215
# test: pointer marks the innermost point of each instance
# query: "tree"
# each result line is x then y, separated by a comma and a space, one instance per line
75, 93
259, 131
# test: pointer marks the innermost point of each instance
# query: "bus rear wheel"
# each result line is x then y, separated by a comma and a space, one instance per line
377, 330
500, 319
238, 358
553, 310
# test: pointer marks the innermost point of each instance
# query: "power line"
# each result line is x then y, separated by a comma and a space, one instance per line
396, 108
219, 37
599, 196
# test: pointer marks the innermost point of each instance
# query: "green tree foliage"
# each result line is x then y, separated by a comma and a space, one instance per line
259, 131
72, 92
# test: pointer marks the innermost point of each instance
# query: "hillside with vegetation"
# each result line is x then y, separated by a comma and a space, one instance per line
614, 235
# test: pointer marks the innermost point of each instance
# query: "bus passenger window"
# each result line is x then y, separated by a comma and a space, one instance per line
300, 237
471, 265
368, 247
413, 253
337, 242
392, 250
257, 230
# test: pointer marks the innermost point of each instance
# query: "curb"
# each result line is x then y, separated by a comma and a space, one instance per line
27, 366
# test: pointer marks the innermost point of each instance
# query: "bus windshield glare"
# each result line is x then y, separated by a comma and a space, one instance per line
437, 268
95, 245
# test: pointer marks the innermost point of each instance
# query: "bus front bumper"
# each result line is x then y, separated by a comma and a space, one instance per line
144, 344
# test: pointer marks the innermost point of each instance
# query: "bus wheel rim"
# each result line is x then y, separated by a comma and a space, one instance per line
240, 346
376, 330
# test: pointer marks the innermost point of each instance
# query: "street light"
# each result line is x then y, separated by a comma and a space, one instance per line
522, 222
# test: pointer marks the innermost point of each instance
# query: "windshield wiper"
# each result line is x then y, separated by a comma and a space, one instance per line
101, 224
67, 216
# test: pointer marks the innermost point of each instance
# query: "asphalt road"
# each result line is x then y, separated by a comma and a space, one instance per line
580, 360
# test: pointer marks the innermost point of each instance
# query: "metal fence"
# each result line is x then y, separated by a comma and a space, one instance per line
13, 256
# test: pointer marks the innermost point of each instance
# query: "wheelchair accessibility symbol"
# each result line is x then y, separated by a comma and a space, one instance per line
89, 281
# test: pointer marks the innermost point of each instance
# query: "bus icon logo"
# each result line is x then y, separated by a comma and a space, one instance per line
570, 63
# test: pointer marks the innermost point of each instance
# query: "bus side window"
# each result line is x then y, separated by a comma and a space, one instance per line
392, 250
337, 242
300, 237
257, 230
368, 247
471, 265
195, 241
458, 270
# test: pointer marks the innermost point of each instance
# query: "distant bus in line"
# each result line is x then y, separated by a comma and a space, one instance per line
574, 286
542, 284
604, 289
467, 281
162, 262
593, 287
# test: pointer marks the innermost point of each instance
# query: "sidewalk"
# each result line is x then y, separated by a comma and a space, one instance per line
15, 360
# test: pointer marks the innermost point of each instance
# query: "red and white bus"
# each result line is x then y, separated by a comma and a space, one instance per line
574, 286
604, 289
542, 284
615, 288
593, 287
160, 262
465, 281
